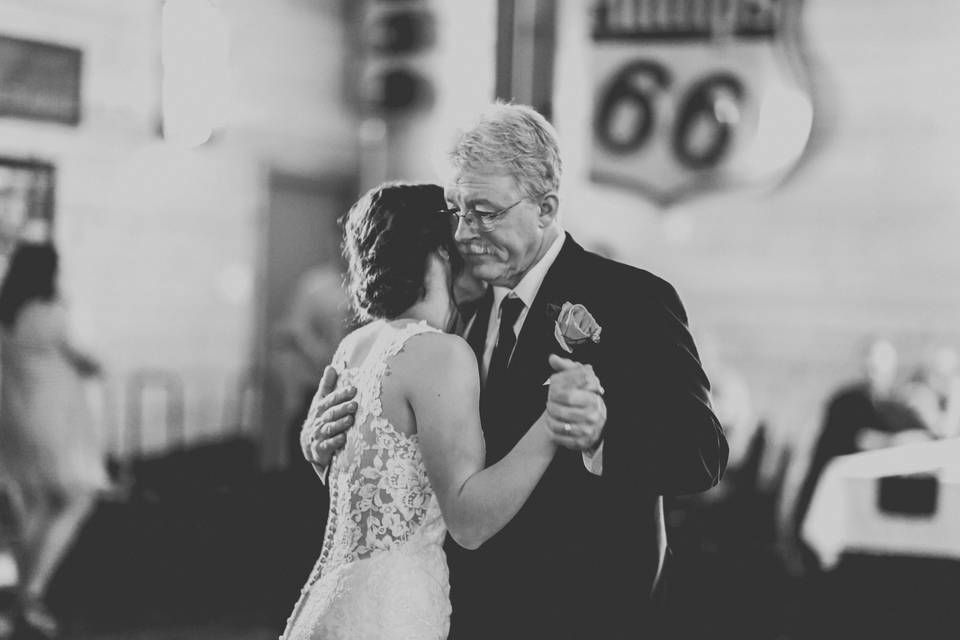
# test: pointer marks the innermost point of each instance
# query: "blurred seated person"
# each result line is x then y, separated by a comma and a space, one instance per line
754, 470
866, 415
933, 392
755, 466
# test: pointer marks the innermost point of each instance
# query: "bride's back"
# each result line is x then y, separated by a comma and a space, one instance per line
382, 566
358, 352
380, 495
382, 572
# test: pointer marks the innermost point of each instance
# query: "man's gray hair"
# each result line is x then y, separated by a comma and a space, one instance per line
513, 139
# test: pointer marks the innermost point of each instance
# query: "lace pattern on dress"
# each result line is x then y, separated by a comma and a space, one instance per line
380, 496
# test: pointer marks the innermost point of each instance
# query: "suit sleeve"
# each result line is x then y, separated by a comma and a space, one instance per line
661, 431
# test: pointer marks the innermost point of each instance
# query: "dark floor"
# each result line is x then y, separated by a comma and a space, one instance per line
204, 632
155, 623
214, 630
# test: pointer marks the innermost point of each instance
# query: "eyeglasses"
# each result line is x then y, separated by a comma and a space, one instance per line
483, 220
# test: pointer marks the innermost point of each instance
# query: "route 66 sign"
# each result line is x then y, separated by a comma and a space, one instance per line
693, 96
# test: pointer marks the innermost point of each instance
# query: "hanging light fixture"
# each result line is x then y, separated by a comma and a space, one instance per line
194, 55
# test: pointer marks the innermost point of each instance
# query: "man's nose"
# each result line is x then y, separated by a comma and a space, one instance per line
464, 231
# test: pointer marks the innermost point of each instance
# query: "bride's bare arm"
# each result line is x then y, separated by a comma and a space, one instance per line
443, 389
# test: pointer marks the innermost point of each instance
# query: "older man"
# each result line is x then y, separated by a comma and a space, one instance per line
584, 556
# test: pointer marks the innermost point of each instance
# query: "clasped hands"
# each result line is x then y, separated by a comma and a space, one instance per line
575, 413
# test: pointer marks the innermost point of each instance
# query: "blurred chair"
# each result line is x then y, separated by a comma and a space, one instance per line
174, 541
726, 565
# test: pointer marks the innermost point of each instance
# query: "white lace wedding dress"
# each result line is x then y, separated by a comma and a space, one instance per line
382, 573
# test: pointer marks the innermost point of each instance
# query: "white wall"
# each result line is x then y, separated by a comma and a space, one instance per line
863, 241
160, 244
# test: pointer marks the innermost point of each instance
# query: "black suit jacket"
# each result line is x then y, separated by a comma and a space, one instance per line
580, 558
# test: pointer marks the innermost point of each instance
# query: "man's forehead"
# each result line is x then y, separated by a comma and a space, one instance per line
470, 185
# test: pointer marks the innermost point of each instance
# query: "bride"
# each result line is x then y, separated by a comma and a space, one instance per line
413, 464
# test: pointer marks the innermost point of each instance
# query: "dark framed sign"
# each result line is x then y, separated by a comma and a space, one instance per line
699, 96
39, 81
27, 190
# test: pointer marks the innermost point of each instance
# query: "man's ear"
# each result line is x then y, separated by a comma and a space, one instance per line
444, 254
549, 209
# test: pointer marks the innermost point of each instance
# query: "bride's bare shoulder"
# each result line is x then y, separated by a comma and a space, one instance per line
438, 356
356, 343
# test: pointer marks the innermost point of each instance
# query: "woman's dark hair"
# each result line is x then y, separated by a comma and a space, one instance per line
388, 235
31, 275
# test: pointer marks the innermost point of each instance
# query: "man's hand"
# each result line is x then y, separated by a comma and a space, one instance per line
330, 415
576, 413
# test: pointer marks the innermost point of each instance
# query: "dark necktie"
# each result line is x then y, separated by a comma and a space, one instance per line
477, 335
510, 309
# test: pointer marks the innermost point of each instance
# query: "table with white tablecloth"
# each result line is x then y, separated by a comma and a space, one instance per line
845, 513
885, 526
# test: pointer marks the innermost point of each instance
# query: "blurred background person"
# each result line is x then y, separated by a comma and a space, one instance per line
861, 416
304, 344
51, 452
933, 392
864, 415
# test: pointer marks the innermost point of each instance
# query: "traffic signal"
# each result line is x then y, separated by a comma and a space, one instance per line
398, 37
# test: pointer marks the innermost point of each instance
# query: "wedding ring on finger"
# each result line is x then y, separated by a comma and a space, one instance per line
567, 429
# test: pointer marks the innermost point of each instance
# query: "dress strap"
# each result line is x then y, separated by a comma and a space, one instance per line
392, 343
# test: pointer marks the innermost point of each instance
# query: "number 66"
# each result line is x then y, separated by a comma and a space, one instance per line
708, 111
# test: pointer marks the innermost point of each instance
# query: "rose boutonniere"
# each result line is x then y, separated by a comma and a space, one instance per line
573, 325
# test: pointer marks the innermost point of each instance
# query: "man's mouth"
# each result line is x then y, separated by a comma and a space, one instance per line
473, 251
